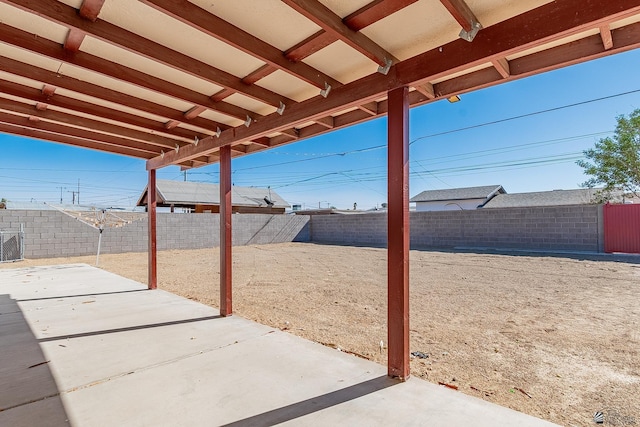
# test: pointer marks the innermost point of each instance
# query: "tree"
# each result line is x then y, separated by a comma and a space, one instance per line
614, 162
3, 203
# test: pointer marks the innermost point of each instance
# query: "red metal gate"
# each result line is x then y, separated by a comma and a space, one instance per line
622, 228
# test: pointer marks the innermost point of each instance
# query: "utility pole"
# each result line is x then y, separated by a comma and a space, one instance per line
185, 175
61, 188
78, 190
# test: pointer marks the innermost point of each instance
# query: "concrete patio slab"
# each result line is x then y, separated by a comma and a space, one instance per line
84, 347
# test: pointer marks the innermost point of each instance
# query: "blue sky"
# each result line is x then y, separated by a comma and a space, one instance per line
500, 135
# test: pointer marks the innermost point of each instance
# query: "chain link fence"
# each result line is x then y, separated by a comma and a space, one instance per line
12, 245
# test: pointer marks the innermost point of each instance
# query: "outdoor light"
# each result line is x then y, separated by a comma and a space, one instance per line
280, 109
218, 132
247, 122
454, 98
177, 148
384, 69
196, 140
325, 92
162, 154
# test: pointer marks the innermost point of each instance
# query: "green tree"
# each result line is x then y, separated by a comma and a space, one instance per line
3, 203
614, 162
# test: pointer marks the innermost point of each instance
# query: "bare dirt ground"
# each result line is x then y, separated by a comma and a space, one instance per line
556, 338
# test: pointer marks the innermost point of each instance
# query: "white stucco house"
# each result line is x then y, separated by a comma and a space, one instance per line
467, 198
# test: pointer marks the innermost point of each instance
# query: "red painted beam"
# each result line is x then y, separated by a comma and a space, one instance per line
153, 247
226, 308
398, 234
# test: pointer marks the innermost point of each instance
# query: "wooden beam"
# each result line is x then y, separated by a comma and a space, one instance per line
309, 46
194, 112
374, 12
291, 133
258, 74
35, 122
74, 40
264, 141
194, 16
90, 9
327, 122
224, 93
362, 18
29, 132
52, 50
52, 80
550, 22
398, 235
605, 34
226, 259
461, 13
29, 95
117, 36
502, 66
153, 234
86, 123
370, 108
427, 90
326, 19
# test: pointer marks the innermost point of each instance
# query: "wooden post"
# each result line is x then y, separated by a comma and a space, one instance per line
398, 234
153, 247
226, 308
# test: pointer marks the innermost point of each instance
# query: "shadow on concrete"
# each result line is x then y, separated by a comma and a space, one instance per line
82, 295
128, 328
315, 404
29, 394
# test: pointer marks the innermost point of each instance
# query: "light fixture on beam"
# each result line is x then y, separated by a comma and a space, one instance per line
247, 122
453, 98
384, 69
325, 92
177, 148
162, 154
281, 108
196, 140
218, 132
470, 35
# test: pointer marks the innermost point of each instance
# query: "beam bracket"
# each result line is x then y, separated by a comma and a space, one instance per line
384, 69
470, 35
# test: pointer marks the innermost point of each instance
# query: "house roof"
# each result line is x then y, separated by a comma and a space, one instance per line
201, 193
484, 192
543, 198
173, 81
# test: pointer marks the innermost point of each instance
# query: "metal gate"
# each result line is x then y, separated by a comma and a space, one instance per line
12, 245
622, 228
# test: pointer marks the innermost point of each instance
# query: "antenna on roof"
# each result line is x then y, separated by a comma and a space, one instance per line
268, 200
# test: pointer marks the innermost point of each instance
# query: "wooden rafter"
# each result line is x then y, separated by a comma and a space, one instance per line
29, 129
502, 66
462, 14
331, 23
116, 36
552, 21
220, 29
605, 34
90, 9
76, 121
85, 108
53, 79
50, 49
362, 18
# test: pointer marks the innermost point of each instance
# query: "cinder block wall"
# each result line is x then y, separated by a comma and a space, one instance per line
575, 228
55, 234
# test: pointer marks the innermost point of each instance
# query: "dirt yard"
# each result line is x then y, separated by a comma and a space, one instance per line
557, 338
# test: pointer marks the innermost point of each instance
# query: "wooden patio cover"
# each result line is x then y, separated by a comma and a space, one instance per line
190, 83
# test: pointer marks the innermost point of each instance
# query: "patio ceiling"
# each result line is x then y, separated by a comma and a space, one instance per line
173, 81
